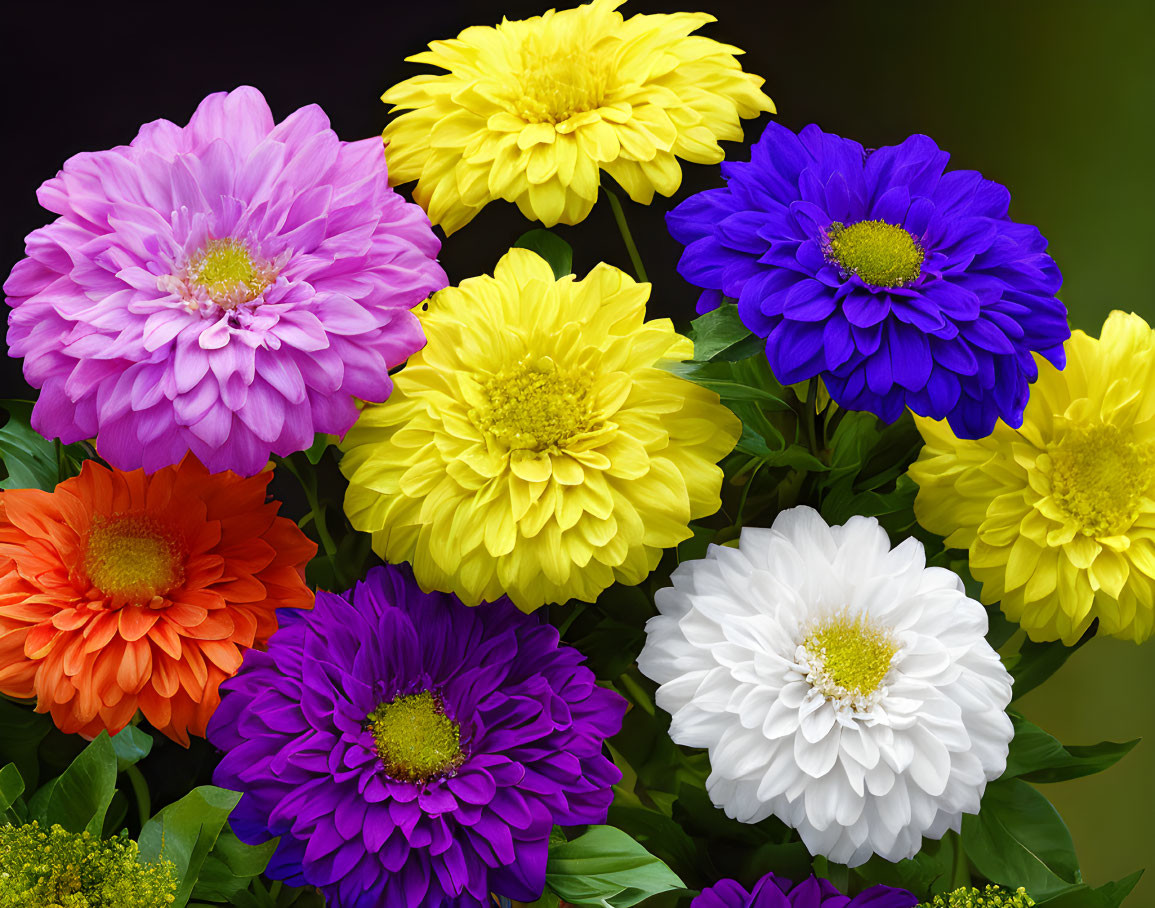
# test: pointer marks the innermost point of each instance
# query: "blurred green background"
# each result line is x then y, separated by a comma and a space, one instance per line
1054, 99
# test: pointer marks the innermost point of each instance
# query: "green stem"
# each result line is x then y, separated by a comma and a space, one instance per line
812, 415
637, 693
627, 237
574, 611
961, 872
140, 791
60, 461
310, 487
746, 490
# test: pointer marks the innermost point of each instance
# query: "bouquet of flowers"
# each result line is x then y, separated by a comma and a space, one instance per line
564, 605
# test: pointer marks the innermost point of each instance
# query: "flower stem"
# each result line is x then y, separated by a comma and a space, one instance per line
960, 872
812, 415
638, 694
61, 463
627, 237
140, 792
309, 485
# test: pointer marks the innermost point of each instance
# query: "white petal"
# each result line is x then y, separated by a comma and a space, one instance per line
817, 759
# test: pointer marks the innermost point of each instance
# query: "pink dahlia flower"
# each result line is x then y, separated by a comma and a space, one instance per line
226, 288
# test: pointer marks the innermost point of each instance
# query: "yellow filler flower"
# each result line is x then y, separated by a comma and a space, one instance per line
1059, 516
532, 110
538, 445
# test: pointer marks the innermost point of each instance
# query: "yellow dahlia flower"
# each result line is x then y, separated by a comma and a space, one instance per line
531, 111
538, 445
1059, 516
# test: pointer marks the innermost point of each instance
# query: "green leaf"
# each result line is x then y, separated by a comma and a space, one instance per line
29, 457
131, 745
80, 796
1036, 662
316, 450
721, 331
1109, 895
1039, 757
24, 729
549, 899
550, 247
606, 867
11, 786
929, 871
185, 833
230, 867
1018, 839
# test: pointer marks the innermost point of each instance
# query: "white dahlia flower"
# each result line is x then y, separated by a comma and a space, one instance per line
840, 685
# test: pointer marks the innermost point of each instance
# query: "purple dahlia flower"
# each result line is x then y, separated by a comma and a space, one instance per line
898, 284
226, 288
412, 751
776, 892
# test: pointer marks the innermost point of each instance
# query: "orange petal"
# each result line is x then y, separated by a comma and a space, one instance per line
135, 667
135, 622
166, 636
225, 656
218, 625
40, 641
100, 631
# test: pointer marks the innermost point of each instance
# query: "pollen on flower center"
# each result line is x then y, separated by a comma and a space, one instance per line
847, 659
229, 273
535, 406
881, 254
556, 82
1099, 476
133, 558
415, 739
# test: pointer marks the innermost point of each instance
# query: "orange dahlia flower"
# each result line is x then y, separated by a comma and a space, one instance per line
122, 592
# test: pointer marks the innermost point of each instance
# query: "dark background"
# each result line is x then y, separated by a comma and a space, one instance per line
1054, 99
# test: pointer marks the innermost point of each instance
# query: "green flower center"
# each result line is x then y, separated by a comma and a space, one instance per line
848, 659
228, 272
1099, 476
881, 254
535, 406
133, 557
415, 739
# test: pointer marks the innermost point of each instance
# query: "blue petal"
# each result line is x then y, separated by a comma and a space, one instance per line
795, 351
838, 197
910, 359
808, 301
837, 342
891, 206
864, 309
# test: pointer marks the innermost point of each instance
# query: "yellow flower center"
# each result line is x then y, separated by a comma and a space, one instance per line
229, 273
535, 406
415, 739
1099, 476
881, 254
848, 659
132, 557
557, 81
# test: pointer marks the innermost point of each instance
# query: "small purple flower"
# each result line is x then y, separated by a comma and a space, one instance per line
413, 752
776, 892
898, 284
228, 287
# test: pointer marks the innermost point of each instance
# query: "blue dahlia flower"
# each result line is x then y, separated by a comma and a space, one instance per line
897, 283
411, 751
777, 892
